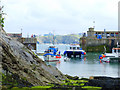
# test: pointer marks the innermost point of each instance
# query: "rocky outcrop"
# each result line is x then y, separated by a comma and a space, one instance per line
19, 61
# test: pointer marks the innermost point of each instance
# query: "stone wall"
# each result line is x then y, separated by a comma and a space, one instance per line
98, 44
29, 42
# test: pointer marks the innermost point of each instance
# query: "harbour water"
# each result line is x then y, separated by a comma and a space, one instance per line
86, 67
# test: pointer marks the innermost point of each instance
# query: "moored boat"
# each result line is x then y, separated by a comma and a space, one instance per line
111, 57
74, 51
52, 54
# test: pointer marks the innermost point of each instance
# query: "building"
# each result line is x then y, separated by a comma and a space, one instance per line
97, 40
15, 36
104, 34
28, 42
49, 34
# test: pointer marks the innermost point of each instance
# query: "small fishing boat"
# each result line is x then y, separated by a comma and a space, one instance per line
74, 51
52, 54
111, 57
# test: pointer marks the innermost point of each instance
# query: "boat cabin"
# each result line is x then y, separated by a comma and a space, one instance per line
74, 47
116, 50
74, 52
51, 50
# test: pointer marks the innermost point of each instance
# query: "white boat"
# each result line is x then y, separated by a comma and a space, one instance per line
52, 54
74, 51
111, 57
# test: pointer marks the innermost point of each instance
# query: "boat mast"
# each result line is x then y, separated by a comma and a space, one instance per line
53, 38
104, 49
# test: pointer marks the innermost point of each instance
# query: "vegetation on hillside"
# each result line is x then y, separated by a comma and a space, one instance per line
60, 39
1, 16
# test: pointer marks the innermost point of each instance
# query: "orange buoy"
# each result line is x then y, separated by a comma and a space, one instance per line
104, 56
101, 57
84, 53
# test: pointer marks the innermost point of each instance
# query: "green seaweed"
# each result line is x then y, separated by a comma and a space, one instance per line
70, 82
41, 87
91, 88
67, 84
82, 84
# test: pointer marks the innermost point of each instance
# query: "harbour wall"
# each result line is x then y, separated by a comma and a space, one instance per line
29, 42
97, 45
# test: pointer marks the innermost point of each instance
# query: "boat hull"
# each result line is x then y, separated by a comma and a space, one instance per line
111, 59
73, 54
50, 58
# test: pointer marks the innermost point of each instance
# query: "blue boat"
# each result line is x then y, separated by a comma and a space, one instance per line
74, 51
52, 54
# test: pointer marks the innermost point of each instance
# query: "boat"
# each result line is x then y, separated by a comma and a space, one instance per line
52, 54
111, 57
74, 51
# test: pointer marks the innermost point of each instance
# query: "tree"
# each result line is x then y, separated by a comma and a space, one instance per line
1, 16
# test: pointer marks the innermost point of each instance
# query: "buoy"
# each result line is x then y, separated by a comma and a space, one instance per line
104, 56
101, 57
84, 53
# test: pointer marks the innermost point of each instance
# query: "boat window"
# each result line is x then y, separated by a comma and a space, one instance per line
119, 50
115, 50
70, 47
74, 48
78, 48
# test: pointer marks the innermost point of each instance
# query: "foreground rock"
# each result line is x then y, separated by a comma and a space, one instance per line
105, 82
22, 66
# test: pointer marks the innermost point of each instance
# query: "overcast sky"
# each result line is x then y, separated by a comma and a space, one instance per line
62, 16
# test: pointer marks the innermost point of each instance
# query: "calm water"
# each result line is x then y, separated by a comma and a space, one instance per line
86, 67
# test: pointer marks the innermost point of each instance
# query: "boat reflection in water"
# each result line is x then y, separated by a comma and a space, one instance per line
55, 63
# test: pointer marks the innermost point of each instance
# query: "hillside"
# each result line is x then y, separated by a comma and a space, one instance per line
60, 39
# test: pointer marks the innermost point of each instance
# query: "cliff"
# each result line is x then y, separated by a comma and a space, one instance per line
22, 66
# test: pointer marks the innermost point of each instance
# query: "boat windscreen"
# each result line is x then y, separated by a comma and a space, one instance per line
78, 48
74, 48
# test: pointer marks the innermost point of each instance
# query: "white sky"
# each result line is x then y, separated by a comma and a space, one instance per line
62, 16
